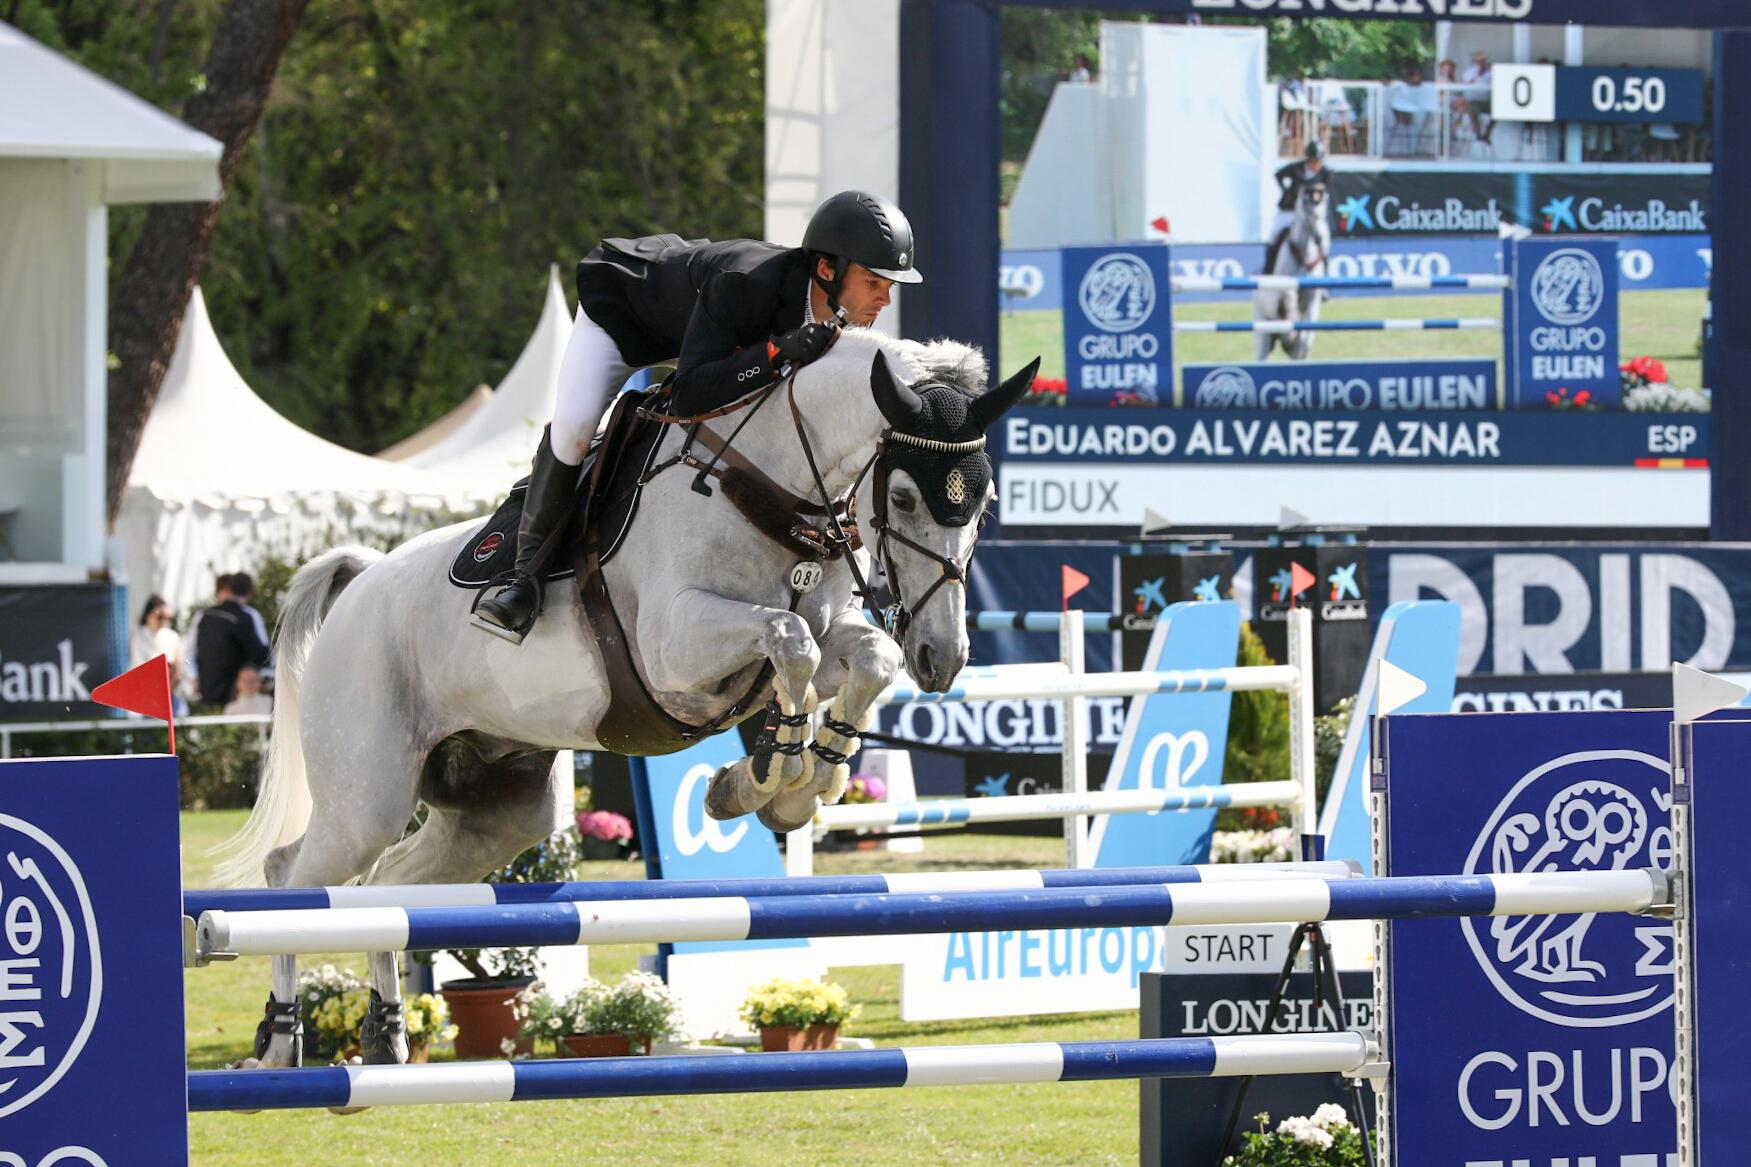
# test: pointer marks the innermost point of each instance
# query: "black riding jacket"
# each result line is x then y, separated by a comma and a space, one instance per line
1293, 177
709, 307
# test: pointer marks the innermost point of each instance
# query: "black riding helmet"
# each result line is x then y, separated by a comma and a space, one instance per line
855, 226
1315, 150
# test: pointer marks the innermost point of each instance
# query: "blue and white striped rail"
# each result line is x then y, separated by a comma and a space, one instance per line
462, 895
1026, 685
947, 1065
998, 621
1016, 808
1436, 325
1295, 283
277, 933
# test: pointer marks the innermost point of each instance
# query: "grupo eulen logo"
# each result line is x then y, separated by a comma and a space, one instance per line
1568, 286
1118, 293
1226, 388
1597, 810
51, 970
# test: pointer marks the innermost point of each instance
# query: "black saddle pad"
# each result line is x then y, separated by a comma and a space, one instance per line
491, 552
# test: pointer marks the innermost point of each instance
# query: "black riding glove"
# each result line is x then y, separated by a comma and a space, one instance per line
801, 345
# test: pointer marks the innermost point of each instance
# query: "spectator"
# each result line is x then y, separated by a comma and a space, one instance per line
248, 697
156, 636
1084, 70
1478, 73
228, 638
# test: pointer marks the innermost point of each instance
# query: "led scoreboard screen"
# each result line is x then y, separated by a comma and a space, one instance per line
1562, 93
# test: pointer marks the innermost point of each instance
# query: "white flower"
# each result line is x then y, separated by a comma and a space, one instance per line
507, 1046
1331, 1116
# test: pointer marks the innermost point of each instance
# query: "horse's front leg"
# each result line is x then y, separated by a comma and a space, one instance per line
858, 662
705, 638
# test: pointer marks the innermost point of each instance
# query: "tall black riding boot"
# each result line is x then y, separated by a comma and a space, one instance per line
1271, 250
511, 611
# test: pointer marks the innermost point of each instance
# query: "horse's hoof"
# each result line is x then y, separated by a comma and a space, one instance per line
778, 824
733, 792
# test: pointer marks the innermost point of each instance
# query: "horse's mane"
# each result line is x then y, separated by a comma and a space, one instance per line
947, 361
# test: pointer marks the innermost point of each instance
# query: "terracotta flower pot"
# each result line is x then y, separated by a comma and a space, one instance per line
791, 1038
598, 1045
481, 1012
419, 1051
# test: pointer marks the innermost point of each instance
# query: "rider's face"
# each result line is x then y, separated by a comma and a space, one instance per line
863, 294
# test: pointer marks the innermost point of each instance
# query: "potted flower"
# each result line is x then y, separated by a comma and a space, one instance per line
602, 1021
427, 1018
602, 834
865, 788
481, 1003
798, 1014
1326, 1138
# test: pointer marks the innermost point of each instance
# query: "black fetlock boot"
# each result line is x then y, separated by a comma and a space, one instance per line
510, 612
280, 1018
382, 1025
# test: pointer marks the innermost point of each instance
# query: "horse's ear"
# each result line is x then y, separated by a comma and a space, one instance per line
899, 403
988, 407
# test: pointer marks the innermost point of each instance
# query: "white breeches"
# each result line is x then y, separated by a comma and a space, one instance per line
1280, 224
590, 376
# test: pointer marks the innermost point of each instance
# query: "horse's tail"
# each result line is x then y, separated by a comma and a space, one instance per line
282, 805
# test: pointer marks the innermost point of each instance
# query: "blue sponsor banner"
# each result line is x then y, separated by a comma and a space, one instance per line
1538, 1038
1568, 608
1417, 438
1030, 281
1172, 741
92, 1065
1118, 325
1342, 385
683, 842
1561, 322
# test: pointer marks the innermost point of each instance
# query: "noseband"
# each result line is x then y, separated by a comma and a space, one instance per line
897, 616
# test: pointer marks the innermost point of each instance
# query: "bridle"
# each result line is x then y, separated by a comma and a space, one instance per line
897, 616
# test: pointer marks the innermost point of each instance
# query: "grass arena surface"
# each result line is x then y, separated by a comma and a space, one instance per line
1667, 325
1089, 1124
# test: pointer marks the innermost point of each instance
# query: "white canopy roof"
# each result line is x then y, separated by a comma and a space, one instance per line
431, 435
497, 441
53, 108
210, 437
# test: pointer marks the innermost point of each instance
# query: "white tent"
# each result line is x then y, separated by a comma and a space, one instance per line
221, 479
493, 447
71, 143
431, 435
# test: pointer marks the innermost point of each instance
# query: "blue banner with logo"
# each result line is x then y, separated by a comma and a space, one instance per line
1342, 385
1409, 438
92, 1050
1030, 281
1537, 1039
1172, 741
683, 842
1567, 608
1118, 325
1560, 317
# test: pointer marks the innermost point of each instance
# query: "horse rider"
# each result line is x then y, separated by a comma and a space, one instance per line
1292, 180
728, 315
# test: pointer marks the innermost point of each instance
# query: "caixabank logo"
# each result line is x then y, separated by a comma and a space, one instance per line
1343, 599
1597, 810
51, 967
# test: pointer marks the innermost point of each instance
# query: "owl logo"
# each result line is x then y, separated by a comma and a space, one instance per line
1602, 810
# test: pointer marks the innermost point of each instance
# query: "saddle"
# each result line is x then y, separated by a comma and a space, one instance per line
619, 463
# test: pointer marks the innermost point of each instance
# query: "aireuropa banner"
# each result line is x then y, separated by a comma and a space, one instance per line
1342, 385
1561, 319
1569, 608
1029, 281
1118, 325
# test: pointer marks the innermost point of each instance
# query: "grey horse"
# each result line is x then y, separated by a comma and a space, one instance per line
385, 701
1304, 253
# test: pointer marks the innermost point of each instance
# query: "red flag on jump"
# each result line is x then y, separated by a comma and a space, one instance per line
1300, 579
144, 690
1073, 582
